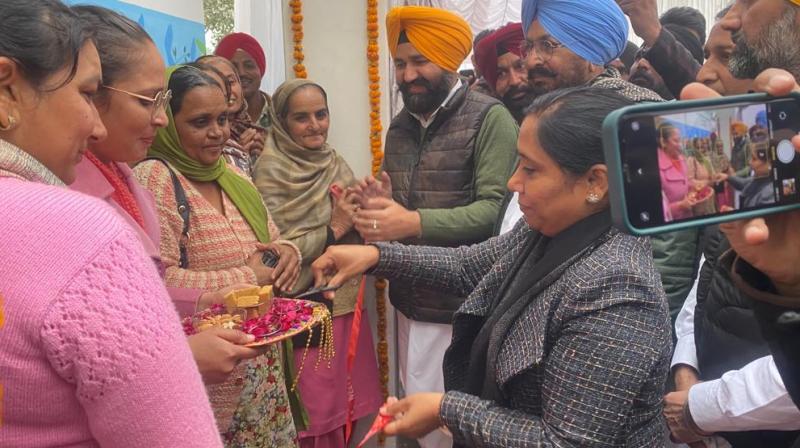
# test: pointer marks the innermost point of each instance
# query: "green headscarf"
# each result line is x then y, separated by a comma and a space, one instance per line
246, 198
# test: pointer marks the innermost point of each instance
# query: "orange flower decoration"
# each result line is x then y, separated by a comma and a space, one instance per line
375, 139
297, 28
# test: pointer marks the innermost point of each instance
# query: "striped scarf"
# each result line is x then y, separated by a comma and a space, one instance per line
14, 162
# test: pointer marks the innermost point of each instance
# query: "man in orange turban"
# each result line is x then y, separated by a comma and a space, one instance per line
449, 153
441, 36
740, 153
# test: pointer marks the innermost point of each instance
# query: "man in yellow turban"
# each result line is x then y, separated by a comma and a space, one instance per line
449, 153
740, 153
441, 36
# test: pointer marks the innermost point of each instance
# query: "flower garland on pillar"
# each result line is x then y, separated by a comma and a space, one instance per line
375, 140
297, 27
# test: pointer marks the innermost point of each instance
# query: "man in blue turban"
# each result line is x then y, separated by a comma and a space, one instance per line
568, 43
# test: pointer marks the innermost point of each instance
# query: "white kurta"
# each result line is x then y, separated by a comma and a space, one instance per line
420, 353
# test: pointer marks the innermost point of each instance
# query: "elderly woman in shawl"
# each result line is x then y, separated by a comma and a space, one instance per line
217, 242
305, 183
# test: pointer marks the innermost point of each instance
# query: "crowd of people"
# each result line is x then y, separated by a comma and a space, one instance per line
135, 194
699, 177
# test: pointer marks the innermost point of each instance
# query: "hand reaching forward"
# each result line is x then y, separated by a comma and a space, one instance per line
341, 263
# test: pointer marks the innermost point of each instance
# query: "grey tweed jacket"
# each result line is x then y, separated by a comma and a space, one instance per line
584, 365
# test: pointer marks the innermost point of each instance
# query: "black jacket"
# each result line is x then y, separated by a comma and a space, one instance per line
727, 333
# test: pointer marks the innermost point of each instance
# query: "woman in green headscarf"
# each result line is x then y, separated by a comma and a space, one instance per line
229, 229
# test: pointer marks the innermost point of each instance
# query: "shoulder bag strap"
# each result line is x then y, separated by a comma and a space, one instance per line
183, 211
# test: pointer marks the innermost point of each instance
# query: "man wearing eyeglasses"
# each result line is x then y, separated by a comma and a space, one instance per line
569, 43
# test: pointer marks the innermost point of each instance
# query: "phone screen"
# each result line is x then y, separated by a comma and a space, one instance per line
697, 163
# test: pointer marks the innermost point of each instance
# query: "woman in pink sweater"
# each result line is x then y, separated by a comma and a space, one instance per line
133, 79
92, 352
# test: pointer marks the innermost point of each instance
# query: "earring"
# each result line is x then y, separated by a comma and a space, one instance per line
593, 198
12, 122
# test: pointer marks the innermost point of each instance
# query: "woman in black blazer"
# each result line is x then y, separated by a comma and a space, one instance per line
564, 339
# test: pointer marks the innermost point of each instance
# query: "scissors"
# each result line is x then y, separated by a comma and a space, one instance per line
315, 291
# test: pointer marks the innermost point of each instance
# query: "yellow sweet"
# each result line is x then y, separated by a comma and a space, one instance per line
221, 321
265, 292
248, 301
256, 301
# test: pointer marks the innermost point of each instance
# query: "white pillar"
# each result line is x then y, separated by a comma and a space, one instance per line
335, 48
263, 19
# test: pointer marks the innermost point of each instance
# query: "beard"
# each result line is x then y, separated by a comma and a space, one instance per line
647, 80
518, 105
777, 46
426, 102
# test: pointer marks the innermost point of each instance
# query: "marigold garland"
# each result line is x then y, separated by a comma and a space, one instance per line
375, 139
297, 27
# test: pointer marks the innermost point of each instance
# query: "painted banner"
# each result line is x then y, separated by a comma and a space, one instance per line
179, 40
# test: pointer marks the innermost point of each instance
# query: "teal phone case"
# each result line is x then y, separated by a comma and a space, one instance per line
616, 186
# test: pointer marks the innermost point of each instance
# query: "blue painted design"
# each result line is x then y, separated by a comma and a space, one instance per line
179, 40
688, 131
171, 53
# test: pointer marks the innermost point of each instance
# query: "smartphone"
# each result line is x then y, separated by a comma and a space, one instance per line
269, 259
678, 165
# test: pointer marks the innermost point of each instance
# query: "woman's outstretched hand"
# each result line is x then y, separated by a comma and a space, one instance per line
217, 352
414, 416
341, 263
370, 188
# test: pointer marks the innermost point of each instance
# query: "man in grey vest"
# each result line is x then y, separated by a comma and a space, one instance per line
449, 153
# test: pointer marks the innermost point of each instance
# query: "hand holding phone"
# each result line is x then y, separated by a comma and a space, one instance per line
770, 243
663, 159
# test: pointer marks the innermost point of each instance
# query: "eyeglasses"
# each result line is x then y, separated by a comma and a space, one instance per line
159, 103
544, 48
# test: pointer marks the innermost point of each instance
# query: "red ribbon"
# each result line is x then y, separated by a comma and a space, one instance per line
352, 348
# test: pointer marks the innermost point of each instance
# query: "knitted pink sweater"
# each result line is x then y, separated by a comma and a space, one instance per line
91, 351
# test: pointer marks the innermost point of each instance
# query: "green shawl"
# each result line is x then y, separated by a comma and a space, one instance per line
167, 146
